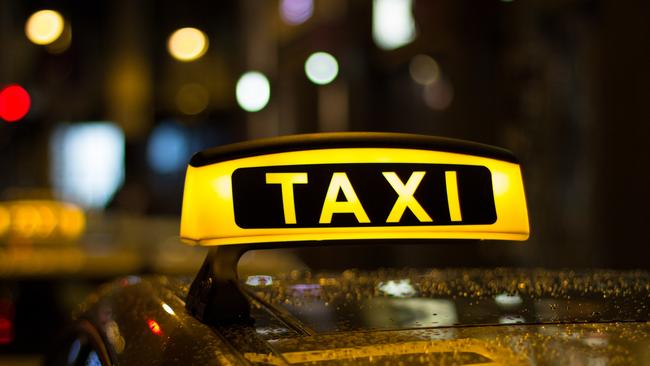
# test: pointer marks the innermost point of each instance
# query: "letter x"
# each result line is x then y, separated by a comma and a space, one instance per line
405, 197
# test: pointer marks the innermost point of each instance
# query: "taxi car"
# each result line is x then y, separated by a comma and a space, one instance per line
368, 188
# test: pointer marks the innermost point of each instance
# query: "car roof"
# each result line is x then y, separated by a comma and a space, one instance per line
573, 315
390, 299
454, 316
489, 345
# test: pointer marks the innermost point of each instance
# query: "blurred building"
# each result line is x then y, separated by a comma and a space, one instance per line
563, 84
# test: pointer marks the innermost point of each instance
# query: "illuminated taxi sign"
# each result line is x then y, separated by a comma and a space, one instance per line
353, 186
356, 195
41, 221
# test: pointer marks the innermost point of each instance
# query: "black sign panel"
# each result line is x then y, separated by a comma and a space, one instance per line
258, 204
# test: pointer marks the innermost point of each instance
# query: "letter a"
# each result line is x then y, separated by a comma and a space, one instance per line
340, 182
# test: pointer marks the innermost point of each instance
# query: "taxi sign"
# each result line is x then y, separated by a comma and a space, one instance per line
40, 221
353, 186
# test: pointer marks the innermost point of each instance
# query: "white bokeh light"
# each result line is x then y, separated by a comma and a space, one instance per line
321, 68
87, 165
400, 288
253, 91
393, 25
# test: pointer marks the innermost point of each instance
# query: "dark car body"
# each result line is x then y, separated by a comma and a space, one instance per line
439, 316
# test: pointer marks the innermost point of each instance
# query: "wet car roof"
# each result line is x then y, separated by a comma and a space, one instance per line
586, 317
609, 343
406, 299
449, 316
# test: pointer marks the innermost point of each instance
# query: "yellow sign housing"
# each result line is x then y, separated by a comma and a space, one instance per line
347, 186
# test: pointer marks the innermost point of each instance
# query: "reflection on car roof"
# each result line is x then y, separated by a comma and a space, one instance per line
404, 299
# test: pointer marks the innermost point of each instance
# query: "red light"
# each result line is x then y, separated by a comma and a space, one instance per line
14, 103
6, 331
155, 328
6, 323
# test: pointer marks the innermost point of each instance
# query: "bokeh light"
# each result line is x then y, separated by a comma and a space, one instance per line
62, 43
154, 327
438, 95
25, 220
393, 25
4, 220
7, 312
192, 98
168, 149
399, 288
72, 221
187, 44
87, 164
14, 103
6, 331
41, 220
507, 300
168, 309
294, 12
253, 91
44, 27
321, 68
424, 69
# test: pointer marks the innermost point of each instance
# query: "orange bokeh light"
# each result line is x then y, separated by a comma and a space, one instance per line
154, 326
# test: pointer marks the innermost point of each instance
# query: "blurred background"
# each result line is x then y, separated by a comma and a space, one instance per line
102, 103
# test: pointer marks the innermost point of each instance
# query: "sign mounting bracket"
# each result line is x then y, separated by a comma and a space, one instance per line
215, 297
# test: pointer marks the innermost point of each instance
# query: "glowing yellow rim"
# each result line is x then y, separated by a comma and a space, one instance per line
496, 355
208, 215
